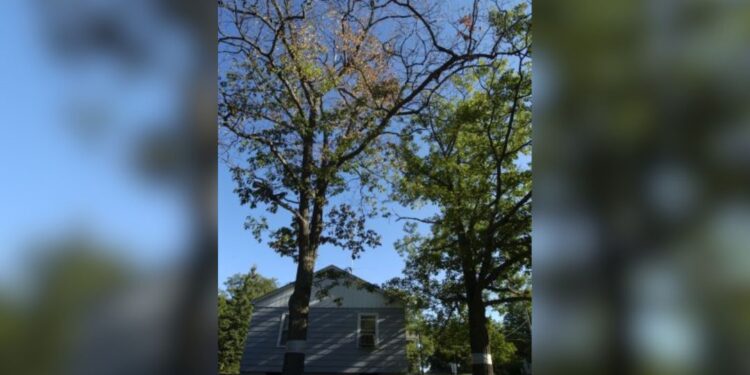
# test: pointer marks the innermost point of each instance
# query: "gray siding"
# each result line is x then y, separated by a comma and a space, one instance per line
331, 342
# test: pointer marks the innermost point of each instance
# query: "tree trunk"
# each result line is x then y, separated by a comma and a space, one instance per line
299, 308
481, 358
299, 302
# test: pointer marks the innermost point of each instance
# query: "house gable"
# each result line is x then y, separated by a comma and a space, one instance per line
333, 287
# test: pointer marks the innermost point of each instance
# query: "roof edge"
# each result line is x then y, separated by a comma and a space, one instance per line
326, 268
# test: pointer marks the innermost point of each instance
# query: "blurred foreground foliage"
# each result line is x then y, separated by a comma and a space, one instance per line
641, 169
70, 278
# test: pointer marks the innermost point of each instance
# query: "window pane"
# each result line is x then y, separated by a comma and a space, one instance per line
367, 340
367, 324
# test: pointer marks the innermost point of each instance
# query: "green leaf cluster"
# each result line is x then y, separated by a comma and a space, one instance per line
235, 311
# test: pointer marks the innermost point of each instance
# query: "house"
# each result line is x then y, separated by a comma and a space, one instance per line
353, 329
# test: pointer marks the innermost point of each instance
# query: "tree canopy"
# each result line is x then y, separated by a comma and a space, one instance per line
311, 86
469, 162
467, 154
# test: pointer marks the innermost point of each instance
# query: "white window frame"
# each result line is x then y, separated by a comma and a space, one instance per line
377, 328
281, 329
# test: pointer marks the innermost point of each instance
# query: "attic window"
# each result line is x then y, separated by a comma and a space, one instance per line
367, 332
283, 329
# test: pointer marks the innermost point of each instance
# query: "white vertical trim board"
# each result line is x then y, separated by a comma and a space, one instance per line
359, 327
281, 329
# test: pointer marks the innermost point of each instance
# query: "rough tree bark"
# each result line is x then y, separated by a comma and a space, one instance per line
294, 358
479, 339
481, 361
299, 302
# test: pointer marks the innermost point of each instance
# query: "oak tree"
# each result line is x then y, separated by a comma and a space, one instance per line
469, 158
309, 90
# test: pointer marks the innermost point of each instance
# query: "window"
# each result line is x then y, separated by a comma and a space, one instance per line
367, 331
283, 329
